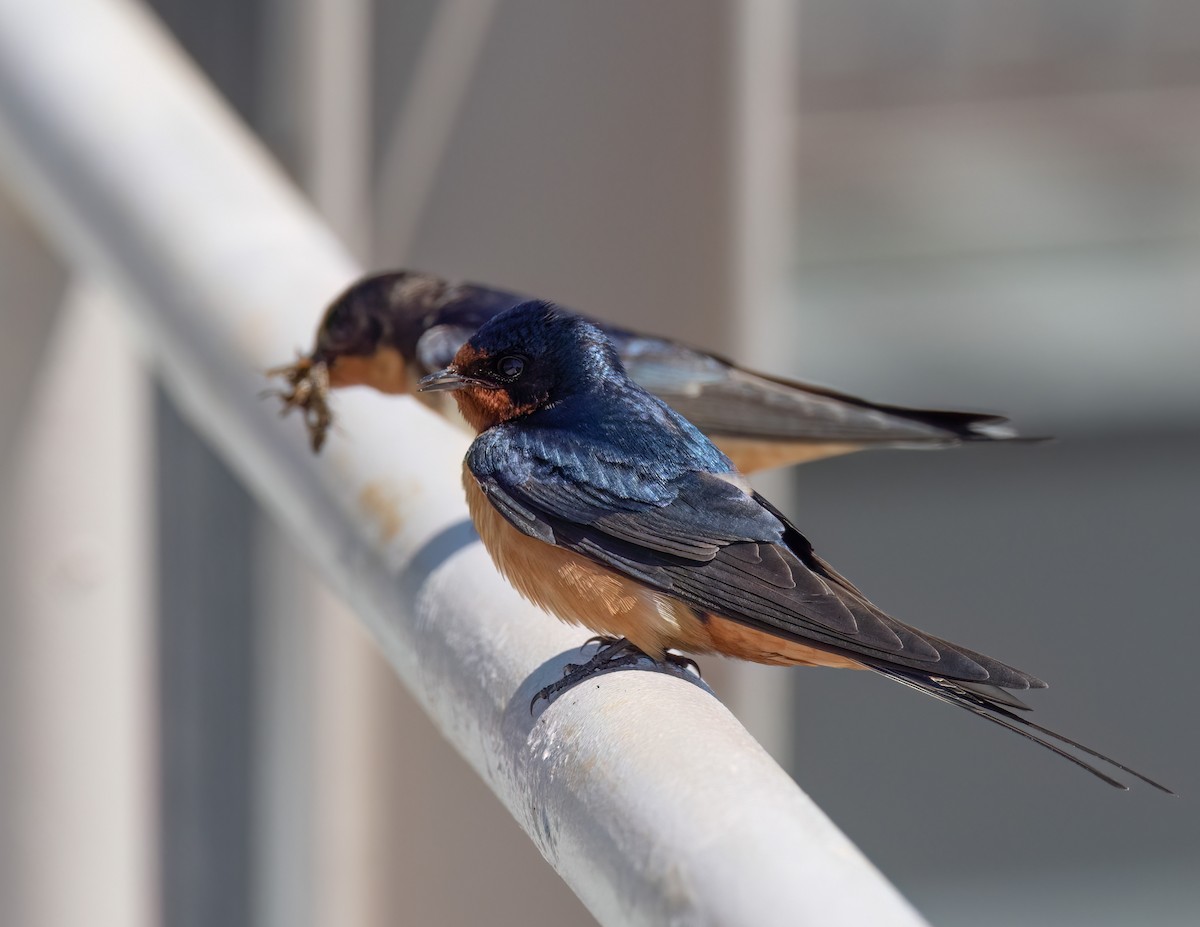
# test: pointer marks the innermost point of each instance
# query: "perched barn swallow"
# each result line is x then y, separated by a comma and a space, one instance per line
388, 331
604, 506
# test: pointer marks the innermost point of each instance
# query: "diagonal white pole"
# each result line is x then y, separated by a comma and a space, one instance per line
641, 790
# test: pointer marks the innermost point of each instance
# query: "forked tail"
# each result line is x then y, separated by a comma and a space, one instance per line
978, 701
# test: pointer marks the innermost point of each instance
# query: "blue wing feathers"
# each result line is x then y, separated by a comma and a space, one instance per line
637, 489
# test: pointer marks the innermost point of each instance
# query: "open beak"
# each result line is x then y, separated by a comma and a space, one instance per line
448, 379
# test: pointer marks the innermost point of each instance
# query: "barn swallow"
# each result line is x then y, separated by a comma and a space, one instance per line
387, 331
604, 506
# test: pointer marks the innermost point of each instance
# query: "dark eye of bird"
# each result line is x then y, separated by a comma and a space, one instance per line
510, 366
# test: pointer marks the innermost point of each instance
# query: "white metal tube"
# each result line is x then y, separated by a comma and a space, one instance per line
642, 791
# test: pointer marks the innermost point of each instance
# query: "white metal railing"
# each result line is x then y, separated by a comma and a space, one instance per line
643, 792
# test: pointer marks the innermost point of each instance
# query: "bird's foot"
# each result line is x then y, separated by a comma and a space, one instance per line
670, 658
614, 653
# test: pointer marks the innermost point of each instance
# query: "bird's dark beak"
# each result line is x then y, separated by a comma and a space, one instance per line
448, 379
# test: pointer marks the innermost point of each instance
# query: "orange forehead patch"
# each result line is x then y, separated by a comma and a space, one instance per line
466, 356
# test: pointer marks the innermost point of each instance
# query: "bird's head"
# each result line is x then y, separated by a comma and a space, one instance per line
527, 358
362, 338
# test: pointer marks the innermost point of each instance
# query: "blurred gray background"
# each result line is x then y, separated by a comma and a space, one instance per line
989, 204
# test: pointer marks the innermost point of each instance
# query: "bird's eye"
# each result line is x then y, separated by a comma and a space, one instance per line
510, 366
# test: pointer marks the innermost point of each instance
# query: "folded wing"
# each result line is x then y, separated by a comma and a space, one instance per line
704, 539
722, 398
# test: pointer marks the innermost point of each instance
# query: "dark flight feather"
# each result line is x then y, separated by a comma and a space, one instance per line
994, 708
723, 398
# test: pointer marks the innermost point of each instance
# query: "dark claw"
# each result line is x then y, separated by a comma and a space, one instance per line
683, 662
603, 640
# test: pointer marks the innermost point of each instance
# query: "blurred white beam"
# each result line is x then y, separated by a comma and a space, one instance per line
297, 787
81, 800
642, 791
417, 144
332, 61
766, 40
